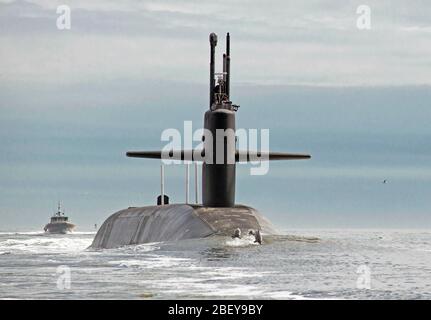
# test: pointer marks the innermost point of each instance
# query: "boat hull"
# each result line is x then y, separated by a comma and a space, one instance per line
59, 228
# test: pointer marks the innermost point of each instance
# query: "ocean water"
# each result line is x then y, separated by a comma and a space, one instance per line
304, 264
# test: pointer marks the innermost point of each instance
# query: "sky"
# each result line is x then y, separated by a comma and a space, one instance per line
72, 102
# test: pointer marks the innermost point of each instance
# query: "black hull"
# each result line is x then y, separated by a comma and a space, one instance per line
176, 222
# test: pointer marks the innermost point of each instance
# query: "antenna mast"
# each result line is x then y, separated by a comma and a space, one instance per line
228, 66
213, 43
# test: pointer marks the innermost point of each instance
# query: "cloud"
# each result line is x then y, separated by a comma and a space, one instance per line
280, 42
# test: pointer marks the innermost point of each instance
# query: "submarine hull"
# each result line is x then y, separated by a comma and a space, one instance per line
137, 225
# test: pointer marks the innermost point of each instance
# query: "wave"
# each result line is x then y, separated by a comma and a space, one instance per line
150, 262
10, 233
44, 245
243, 242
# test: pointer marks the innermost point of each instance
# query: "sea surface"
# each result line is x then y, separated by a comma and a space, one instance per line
303, 264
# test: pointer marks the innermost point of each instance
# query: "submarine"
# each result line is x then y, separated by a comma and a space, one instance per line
218, 214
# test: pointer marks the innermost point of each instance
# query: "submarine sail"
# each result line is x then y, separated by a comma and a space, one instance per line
218, 214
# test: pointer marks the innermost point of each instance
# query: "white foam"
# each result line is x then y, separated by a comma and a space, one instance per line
150, 262
21, 233
283, 295
243, 242
45, 245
